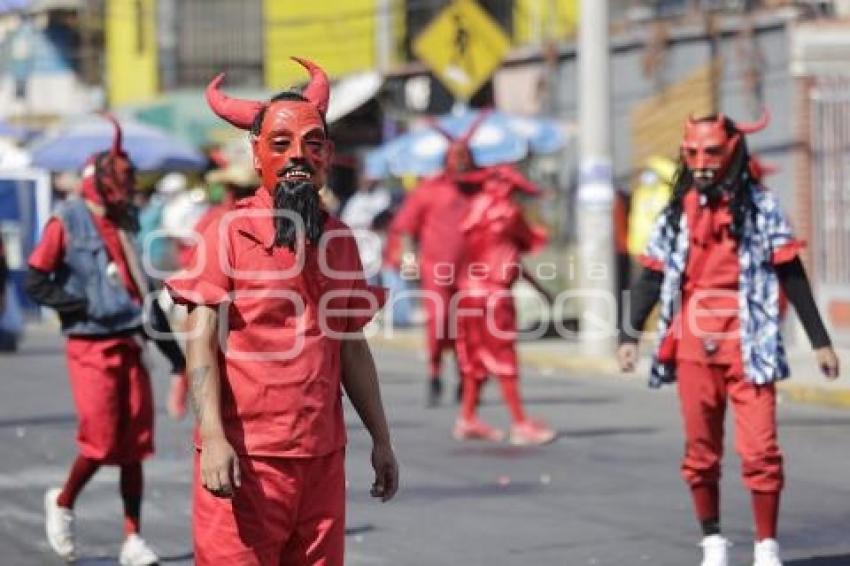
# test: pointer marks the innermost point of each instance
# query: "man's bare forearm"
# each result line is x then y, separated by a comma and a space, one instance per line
203, 371
360, 380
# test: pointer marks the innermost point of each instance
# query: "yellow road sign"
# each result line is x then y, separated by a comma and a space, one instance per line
463, 45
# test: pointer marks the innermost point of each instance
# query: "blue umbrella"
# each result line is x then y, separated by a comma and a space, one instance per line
501, 138
69, 146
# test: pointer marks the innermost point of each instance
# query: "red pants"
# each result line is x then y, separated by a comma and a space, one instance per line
486, 340
113, 396
288, 512
703, 392
436, 302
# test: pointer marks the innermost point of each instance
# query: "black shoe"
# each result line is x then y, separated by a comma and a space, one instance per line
435, 391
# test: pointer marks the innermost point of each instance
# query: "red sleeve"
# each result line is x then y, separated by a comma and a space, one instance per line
409, 218
651, 263
531, 239
787, 252
364, 300
204, 281
50, 250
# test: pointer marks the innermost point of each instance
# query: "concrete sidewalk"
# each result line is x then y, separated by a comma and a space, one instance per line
806, 385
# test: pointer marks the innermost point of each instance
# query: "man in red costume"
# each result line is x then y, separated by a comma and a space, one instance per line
430, 216
719, 255
86, 267
496, 235
275, 323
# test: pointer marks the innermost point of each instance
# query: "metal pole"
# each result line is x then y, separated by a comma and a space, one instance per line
595, 234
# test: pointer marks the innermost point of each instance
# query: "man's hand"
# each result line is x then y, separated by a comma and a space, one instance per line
219, 467
178, 390
827, 361
386, 472
627, 355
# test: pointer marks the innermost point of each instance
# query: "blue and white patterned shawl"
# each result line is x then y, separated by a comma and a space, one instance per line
762, 350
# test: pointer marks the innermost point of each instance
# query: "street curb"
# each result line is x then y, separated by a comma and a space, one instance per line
789, 391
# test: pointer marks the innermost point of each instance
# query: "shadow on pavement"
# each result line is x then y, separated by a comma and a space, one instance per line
838, 560
813, 422
611, 431
39, 420
433, 493
112, 561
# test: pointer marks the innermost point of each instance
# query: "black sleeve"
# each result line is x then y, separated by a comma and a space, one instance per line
45, 291
4, 270
642, 298
164, 339
795, 283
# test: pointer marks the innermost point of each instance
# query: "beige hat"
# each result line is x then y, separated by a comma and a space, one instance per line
239, 175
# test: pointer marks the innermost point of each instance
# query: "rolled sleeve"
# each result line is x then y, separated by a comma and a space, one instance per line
204, 282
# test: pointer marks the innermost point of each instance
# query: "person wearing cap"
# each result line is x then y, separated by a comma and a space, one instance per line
277, 303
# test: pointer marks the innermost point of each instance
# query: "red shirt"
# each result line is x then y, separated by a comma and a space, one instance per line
50, 250
280, 366
497, 234
709, 316
432, 214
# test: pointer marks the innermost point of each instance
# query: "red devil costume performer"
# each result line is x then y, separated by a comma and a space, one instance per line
86, 267
275, 315
431, 216
496, 235
722, 250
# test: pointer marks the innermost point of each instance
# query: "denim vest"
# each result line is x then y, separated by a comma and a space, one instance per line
111, 309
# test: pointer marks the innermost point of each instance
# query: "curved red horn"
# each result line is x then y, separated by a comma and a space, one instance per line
753, 127
318, 90
240, 113
434, 123
476, 123
117, 136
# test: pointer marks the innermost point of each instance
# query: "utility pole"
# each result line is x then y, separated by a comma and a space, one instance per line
594, 218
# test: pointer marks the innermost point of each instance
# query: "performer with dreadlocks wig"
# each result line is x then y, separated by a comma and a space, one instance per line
430, 217
87, 268
722, 250
281, 283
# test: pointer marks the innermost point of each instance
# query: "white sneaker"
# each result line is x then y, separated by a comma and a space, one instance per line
136, 552
766, 553
715, 551
59, 526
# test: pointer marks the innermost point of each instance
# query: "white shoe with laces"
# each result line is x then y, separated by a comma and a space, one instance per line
766, 553
59, 526
715, 551
136, 552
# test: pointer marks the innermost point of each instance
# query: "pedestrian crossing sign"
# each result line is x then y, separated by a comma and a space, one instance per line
463, 46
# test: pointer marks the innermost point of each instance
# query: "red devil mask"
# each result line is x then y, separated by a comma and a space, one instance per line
709, 146
289, 136
113, 179
459, 158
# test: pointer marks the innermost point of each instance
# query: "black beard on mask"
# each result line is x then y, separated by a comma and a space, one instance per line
730, 181
302, 199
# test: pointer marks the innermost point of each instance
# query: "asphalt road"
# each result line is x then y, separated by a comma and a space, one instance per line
606, 493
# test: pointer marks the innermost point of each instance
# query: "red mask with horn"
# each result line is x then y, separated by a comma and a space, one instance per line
114, 176
289, 137
709, 146
459, 158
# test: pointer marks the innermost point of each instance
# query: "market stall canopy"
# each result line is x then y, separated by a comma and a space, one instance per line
36, 6
67, 147
501, 138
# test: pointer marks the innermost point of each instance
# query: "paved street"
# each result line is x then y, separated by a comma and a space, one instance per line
606, 493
